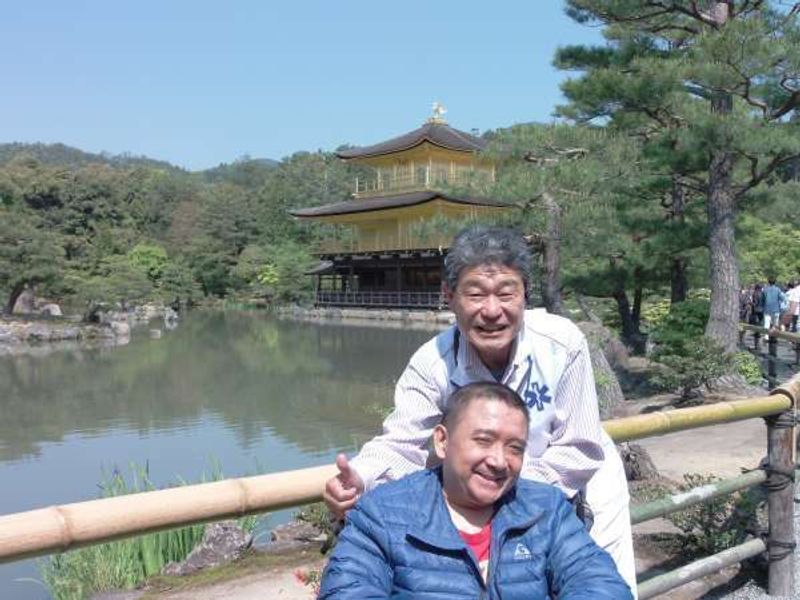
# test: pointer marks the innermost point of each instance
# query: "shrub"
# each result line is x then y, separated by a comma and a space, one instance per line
680, 327
653, 314
748, 366
717, 524
702, 360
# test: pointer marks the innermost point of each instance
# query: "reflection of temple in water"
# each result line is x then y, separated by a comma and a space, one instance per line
391, 240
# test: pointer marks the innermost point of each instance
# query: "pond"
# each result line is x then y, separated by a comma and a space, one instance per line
241, 392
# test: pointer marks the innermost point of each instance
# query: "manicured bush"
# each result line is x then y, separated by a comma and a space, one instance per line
701, 361
680, 327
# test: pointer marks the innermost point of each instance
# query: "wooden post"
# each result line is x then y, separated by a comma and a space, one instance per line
772, 375
780, 486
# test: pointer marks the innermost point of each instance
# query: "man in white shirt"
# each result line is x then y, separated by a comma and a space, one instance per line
793, 296
543, 357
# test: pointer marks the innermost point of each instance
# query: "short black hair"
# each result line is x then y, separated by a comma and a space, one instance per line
488, 390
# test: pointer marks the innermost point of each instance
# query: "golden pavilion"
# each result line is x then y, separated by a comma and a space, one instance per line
392, 257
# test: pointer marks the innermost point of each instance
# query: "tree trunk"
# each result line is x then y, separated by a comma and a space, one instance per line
551, 288
723, 319
724, 314
624, 310
629, 316
636, 312
679, 283
16, 291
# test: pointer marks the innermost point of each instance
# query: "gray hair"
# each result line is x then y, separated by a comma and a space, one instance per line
484, 245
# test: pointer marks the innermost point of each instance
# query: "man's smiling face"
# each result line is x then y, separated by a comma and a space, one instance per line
481, 453
489, 304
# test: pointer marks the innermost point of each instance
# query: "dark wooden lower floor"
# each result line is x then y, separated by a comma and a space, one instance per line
381, 281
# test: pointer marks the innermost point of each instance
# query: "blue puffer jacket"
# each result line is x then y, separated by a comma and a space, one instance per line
400, 542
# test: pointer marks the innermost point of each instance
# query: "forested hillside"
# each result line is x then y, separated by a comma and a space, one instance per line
67, 156
88, 229
599, 204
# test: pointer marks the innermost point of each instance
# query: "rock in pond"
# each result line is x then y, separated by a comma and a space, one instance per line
222, 543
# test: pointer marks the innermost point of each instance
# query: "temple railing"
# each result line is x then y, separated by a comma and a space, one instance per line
432, 300
60, 528
424, 177
385, 244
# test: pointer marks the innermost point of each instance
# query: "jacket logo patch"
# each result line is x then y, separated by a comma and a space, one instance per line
537, 396
522, 552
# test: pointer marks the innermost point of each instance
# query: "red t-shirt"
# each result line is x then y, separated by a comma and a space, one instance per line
480, 543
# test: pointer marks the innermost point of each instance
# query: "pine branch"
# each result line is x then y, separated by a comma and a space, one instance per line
692, 12
792, 12
757, 177
747, 7
791, 102
566, 153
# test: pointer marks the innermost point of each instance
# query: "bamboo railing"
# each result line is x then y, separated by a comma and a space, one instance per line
773, 337
59, 528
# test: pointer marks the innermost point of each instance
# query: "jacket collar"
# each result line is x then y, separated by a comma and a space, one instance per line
435, 526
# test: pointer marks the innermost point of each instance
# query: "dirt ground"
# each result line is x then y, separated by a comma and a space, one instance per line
722, 450
281, 584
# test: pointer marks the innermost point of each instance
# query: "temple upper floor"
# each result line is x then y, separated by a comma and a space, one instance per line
411, 176
432, 157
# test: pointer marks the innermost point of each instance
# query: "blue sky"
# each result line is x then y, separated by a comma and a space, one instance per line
199, 82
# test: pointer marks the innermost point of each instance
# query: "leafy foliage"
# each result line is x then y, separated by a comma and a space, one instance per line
677, 331
151, 259
95, 230
710, 87
748, 366
768, 250
717, 524
701, 361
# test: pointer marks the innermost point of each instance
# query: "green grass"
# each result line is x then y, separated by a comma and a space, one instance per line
127, 563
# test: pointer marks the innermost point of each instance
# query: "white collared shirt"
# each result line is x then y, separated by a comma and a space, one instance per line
551, 370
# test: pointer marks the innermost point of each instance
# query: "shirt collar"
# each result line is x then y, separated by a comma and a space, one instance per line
470, 368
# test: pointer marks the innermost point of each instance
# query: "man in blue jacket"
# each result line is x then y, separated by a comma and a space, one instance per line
470, 528
773, 304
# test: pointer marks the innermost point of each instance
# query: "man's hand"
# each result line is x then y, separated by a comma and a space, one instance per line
342, 491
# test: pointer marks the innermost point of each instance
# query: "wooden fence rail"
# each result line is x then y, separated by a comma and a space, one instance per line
774, 338
59, 528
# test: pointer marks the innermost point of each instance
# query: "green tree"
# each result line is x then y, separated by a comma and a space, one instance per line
112, 281
589, 199
768, 250
710, 86
150, 259
30, 254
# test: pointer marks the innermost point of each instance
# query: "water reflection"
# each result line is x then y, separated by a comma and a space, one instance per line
249, 391
315, 386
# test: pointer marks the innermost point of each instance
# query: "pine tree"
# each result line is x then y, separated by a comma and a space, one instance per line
588, 200
710, 87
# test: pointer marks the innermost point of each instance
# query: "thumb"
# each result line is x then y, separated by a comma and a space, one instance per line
345, 472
